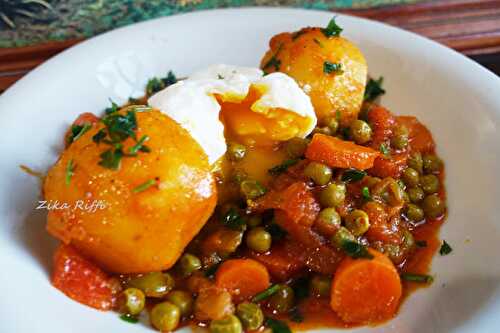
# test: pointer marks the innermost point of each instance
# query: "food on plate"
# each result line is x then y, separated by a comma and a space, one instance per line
244, 199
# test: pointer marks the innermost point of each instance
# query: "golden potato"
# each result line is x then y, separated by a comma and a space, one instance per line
303, 54
137, 231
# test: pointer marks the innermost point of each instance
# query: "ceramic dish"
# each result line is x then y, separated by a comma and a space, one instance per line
456, 98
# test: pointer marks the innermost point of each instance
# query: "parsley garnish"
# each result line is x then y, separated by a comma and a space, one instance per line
144, 186
282, 167
330, 67
77, 131
374, 89
418, 278
156, 84
111, 158
129, 318
112, 109
421, 243
120, 127
70, 171
365, 192
353, 175
274, 62
384, 149
139, 146
277, 326
355, 250
212, 270
99, 136
332, 30
220, 77
266, 293
300, 288
445, 248
233, 220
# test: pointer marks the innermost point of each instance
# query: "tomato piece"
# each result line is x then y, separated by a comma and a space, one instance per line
86, 118
81, 280
381, 121
283, 261
389, 166
420, 138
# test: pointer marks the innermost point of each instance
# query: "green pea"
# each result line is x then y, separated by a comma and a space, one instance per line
416, 194
182, 300
328, 221
416, 162
239, 175
429, 183
357, 222
332, 195
131, 301
360, 131
433, 206
318, 172
414, 213
189, 263
228, 324
296, 147
320, 285
333, 124
250, 314
165, 316
282, 301
236, 151
408, 240
252, 189
259, 240
254, 220
399, 139
341, 236
410, 177
432, 163
154, 284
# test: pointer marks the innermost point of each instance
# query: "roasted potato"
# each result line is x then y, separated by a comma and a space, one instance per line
332, 88
136, 231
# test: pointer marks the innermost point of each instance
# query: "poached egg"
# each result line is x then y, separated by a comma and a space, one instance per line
237, 103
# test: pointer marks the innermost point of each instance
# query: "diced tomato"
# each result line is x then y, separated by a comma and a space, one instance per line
86, 118
389, 166
296, 201
381, 121
338, 153
283, 261
81, 280
420, 137
381, 228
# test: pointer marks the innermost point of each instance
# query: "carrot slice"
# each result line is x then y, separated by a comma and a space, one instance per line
243, 278
339, 153
366, 291
81, 280
389, 166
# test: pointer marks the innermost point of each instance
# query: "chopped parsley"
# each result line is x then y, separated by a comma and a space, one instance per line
353, 175
77, 131
276, 231
374, 89
296, 315
266, 293
445, 248
279, 169
300, 288
365, 192
144, 186
421, 243
156, 84
129, 318
220, 77
355, 250
99, 136
418, 278
111, 158
112, 109
70, 171
332, 29
330, 67
277, 326
274, 62
384, 149
212, 269
139, 146
233, 220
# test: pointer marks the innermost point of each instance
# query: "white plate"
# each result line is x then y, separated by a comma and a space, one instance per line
456, 98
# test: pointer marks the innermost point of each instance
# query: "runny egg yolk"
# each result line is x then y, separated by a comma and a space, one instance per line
261, 128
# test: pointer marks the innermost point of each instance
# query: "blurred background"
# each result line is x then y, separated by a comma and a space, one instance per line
32, 31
